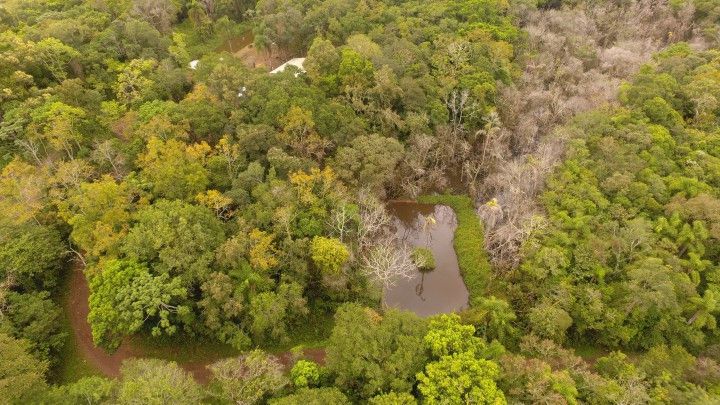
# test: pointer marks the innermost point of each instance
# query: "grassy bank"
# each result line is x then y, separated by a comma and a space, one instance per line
469, 241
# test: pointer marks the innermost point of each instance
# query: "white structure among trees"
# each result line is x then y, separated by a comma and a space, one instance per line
297, 62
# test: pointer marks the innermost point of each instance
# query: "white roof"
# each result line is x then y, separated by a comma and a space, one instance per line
193, 64
297, 62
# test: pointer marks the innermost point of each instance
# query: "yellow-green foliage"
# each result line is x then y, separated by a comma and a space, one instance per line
329, 254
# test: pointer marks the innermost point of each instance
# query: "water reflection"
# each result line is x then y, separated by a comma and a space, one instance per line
439, 291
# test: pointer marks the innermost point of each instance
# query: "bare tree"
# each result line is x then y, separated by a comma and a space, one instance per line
340, 221
106, 152
386, 264
374, 224
160, 13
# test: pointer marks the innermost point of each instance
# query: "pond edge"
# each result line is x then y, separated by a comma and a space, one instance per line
468, 241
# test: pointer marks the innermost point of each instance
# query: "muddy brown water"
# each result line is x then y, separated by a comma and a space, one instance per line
243, 48
235, 44
441, 290
108, 364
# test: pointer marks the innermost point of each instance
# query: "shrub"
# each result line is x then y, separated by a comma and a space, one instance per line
305, 374
423, 259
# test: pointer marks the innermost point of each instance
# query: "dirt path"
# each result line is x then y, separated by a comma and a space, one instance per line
109, 364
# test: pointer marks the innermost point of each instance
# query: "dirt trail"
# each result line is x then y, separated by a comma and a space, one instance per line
109, 364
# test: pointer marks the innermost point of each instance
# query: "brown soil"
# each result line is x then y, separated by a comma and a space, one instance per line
243, 48
109, 364
287, 359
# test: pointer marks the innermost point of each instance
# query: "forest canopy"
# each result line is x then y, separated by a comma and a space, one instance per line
146, 144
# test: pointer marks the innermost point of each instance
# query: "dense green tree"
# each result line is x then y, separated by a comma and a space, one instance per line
493, 318
305, 374
370, 161
134, 83
621, 261
31, 255
460, 378
125, 296
371, 353
272, 313
393, 398
176, 238
99, 213
160, 13
88, 390
322, 64
173, 169
35, 318
329, 254
223, 307
22, 376
204, 114
313, 396
24, 191
550, 321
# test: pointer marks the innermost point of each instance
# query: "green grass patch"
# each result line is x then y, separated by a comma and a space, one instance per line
71, 365
181, 348
311, 334
469, 242
199, 44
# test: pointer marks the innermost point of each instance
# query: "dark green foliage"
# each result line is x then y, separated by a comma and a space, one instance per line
35, 318
175, 238
125, 296
469, 242
156, 381
219, 202
22, 375
86, 390
32, 255
313, 396
370, 353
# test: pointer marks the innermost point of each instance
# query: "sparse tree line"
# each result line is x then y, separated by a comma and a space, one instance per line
226, 204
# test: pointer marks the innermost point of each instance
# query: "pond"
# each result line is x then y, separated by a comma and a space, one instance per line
438, 291
237, 43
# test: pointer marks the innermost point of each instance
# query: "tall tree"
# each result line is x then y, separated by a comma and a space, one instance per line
176, 238
370, 353
173, 169
124, 296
